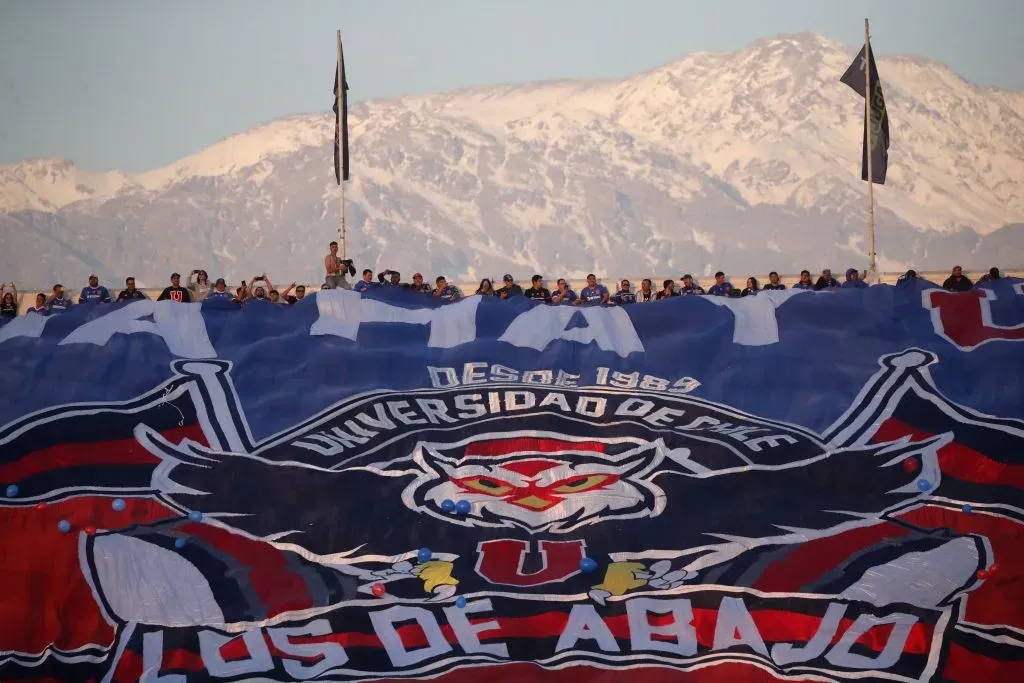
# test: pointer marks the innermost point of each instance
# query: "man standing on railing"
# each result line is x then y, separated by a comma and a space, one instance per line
337, 268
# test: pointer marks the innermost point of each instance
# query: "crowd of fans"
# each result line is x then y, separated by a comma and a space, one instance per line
259, 288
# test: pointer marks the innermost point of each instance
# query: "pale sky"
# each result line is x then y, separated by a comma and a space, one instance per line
137, 84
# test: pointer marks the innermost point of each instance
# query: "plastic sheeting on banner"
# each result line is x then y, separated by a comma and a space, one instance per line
785, 486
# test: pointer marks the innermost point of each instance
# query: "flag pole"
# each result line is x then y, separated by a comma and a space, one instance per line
341, 186
868, 125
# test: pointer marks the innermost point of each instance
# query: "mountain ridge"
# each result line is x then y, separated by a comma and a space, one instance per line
712, 160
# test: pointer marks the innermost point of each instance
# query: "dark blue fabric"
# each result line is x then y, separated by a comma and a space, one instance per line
828, 347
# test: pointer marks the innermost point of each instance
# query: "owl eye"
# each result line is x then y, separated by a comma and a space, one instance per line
491, 487
584, 483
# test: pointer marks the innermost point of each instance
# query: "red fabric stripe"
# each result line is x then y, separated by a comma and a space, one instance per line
969, 667
120, 452
186, 660
529, 445
277, 588
129, 668
956, 459
809, 560
45, 598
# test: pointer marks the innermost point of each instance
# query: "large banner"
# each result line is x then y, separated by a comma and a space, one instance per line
794, 486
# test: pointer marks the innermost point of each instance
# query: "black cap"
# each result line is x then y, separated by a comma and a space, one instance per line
508, 277
220, 281
174, 275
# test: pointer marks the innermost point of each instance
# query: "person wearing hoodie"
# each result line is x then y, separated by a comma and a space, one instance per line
853, 280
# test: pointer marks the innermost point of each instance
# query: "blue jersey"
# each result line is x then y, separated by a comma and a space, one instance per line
803, 285
720, 290
691, 290
61, 304
363, 285
94, 294
594, 294
214, 295
621, 297
449, 293
567, 298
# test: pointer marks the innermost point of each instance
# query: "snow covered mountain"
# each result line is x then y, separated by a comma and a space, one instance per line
744, 161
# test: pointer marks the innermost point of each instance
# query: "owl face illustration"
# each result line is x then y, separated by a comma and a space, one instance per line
541, 483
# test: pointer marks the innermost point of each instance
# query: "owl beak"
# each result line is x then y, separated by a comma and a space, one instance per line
532, 502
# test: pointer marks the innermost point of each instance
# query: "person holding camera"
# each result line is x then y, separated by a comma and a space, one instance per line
337, 269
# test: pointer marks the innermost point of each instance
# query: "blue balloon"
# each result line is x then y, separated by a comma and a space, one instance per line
195, 516
967, 508
118, 504
424, 555
179, 543
463, 507
923, 484
64, 526
587, 565
460, 602
448, 505
12, 491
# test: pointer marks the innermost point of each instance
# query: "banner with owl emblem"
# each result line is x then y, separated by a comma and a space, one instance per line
793, 486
